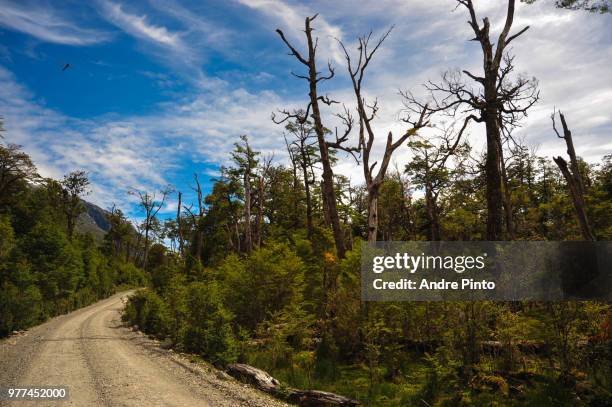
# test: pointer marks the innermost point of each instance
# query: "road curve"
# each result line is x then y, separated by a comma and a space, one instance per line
104, 363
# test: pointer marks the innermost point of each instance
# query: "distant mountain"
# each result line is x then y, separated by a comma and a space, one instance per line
94, 220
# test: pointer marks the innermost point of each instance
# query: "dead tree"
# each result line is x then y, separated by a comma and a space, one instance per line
197, 219
500, 102
573, 178
248, 234
313, 110
367, 114
151, 207
179, 227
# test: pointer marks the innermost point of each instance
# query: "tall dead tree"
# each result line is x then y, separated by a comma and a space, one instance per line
248, 233
151, 207
179, 226
197, 218
367, 114
499, 103
313, 110
573, 178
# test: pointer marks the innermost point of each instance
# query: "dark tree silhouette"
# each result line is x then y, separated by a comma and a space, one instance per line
314, 77
367, 134
573, 178
500, 102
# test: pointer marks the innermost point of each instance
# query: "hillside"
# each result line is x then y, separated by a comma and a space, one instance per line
94, 220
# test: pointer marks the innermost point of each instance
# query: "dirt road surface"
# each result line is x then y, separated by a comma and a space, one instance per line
104, 363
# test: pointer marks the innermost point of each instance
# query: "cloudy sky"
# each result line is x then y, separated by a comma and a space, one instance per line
160, 89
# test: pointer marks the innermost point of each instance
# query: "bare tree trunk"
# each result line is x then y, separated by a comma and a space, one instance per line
373, 214
237, 232
309, 224
151, 208
145, 258
328, 175
574, 180
432, 214
367, 113
507, 204
492, 169
326, 217
230, 239
179, 226
491, 108
314, 78
248, 237
198, 221
259, 224
296, 217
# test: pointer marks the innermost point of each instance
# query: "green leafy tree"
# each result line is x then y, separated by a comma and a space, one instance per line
74, 185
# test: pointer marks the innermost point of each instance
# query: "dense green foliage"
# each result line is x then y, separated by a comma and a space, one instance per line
293, 308
44, 271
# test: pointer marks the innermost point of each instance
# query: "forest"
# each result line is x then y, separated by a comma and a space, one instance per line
265, 269
47, 265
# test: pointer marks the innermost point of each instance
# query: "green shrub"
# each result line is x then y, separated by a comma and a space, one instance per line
128, 275
269, 280
149, 312
209, 325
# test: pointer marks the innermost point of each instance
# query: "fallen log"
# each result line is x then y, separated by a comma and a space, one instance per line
257, 377
306, 398
316, 398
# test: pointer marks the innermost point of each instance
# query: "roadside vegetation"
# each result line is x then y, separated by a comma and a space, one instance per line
292, 306
47, 266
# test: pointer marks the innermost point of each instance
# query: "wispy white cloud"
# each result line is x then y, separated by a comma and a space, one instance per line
45, 24
199, 30
144, 151
183, 49
291, 17
139, 26
115, 153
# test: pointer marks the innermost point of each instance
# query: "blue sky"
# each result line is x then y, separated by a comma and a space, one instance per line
158, 89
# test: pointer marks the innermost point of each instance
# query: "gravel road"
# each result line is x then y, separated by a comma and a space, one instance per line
104, 363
